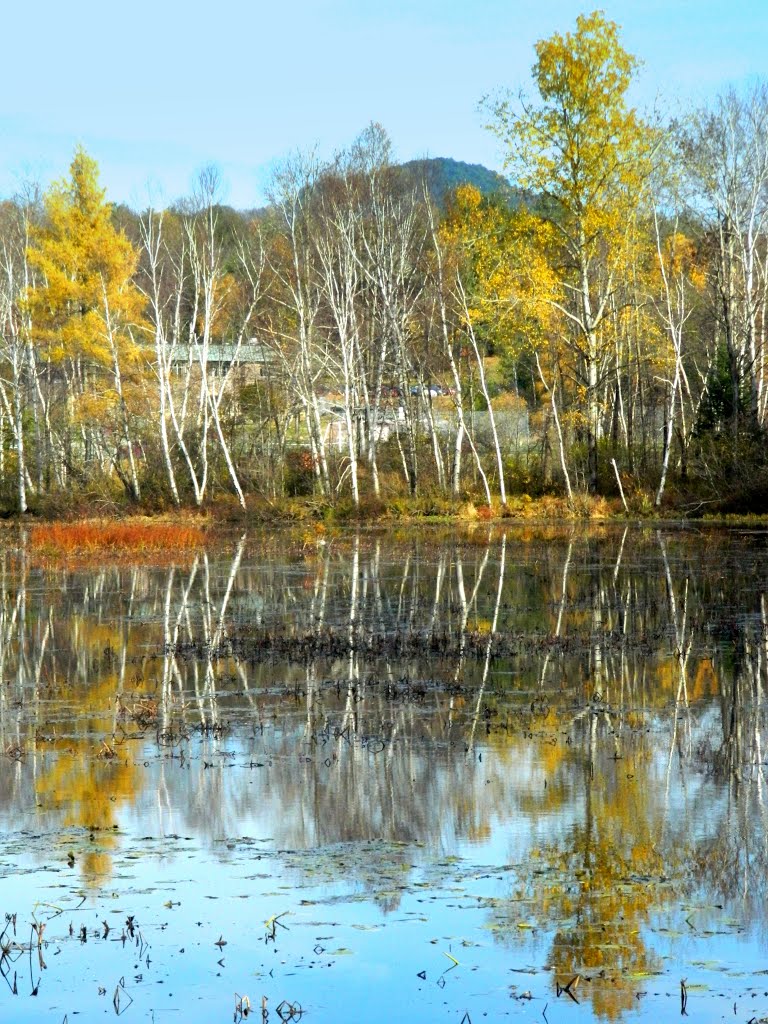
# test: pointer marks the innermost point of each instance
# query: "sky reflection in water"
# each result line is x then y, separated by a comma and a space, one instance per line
313, 772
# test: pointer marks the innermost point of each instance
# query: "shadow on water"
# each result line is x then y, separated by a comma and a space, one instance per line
536, 754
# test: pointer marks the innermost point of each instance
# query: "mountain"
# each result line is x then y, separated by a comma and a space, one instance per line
443, 175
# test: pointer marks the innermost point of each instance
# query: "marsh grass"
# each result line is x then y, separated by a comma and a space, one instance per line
96, 539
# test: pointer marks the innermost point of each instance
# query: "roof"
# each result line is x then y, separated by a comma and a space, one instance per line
249, 352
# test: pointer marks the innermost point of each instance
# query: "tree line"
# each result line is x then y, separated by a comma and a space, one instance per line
597, 329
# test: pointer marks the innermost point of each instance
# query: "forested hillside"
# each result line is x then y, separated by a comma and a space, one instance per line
427, 332
442, 176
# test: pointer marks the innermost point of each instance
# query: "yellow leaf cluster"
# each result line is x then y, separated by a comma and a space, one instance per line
86, 304
503, 255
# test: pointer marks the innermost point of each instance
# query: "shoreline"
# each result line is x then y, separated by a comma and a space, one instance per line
296, 513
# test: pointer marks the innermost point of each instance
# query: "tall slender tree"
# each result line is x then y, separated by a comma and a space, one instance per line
587, 153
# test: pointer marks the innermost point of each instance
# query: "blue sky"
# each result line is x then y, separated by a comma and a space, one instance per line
156, 89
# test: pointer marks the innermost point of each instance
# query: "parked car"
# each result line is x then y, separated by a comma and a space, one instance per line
433, 390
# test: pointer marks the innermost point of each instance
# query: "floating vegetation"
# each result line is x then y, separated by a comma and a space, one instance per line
338, 642
143, 711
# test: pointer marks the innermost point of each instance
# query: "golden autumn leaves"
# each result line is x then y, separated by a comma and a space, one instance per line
86, 314
84, 302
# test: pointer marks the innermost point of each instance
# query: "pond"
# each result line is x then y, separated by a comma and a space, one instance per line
413, 775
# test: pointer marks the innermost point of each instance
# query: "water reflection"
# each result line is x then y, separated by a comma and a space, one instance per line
586, 707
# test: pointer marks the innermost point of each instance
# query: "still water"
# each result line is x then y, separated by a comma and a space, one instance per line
396, 776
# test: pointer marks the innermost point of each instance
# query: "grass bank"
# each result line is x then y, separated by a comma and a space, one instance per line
128, 528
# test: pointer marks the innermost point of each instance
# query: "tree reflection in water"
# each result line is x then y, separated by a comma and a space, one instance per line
592, 699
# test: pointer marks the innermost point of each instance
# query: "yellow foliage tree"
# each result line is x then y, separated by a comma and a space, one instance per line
88, 314
516, 295
588, 154
504, 259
